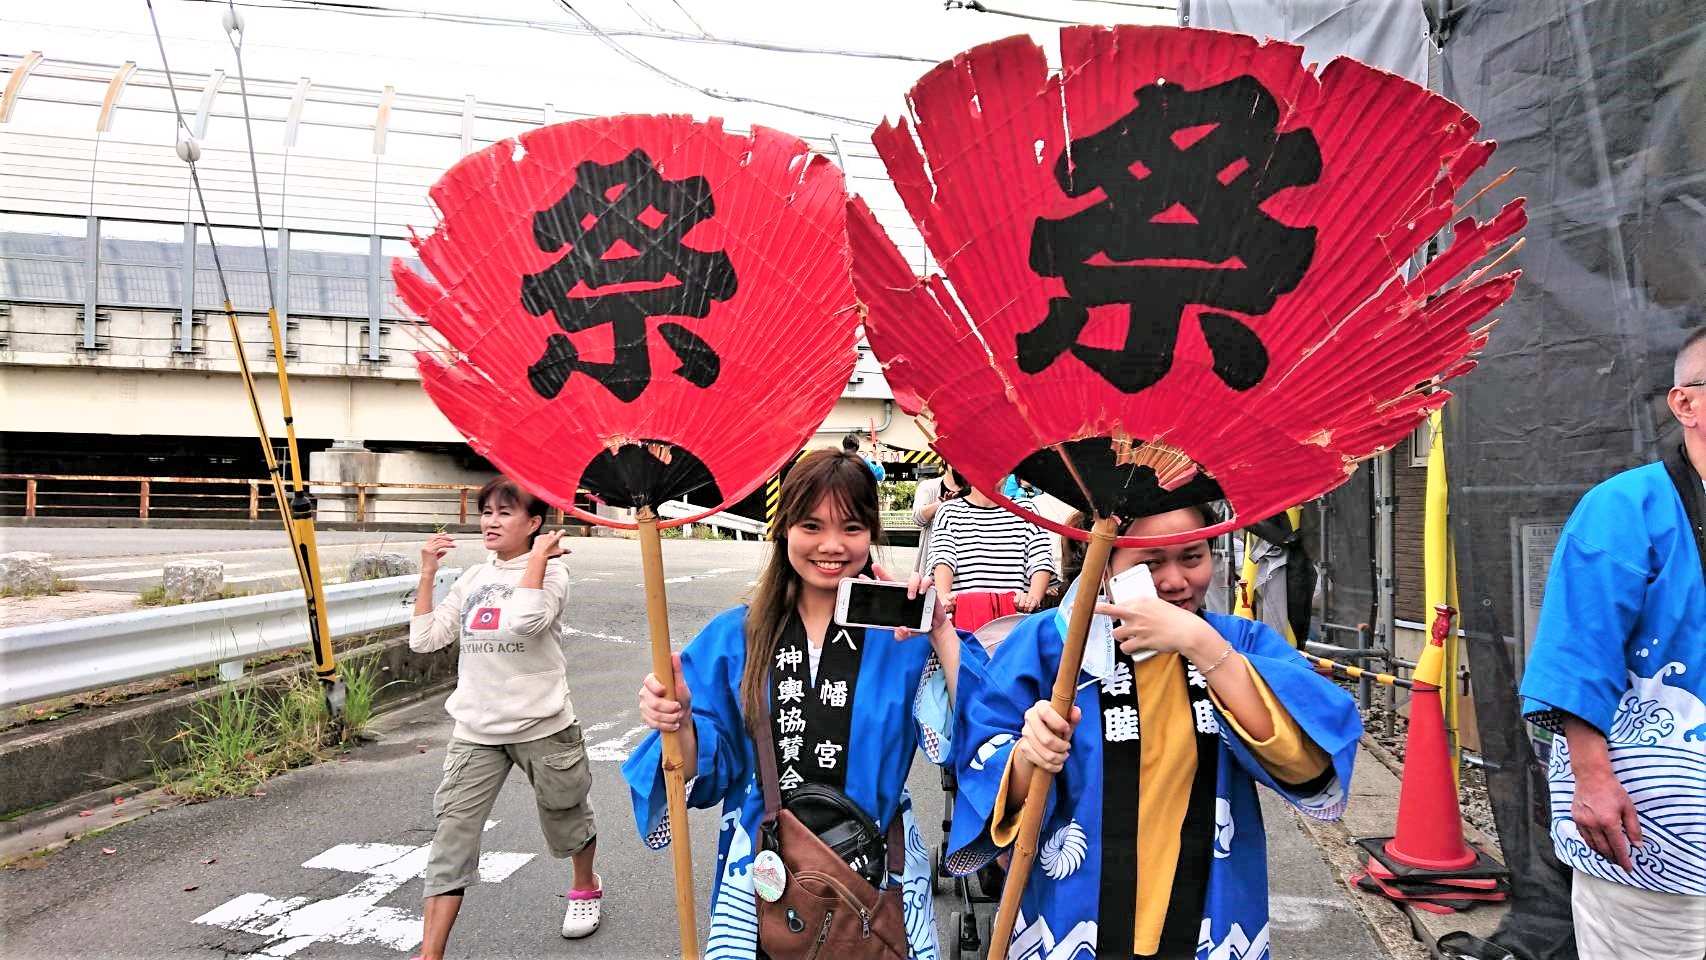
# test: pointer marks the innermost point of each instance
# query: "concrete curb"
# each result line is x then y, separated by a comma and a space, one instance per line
112, 747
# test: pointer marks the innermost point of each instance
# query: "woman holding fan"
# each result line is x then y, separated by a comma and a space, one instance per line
1151, 844
776, 691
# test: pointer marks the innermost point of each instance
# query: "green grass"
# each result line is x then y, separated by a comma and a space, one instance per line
362, 685
226, 744
57, 586
299, 722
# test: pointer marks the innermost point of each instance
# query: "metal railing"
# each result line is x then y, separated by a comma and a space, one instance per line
232, 498
741, 527
43, 661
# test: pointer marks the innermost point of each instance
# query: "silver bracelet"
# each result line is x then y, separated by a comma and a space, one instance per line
1205, 671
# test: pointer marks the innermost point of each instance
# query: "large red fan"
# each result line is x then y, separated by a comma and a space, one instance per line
1174, 269
646, 308
1174, 274
643, 307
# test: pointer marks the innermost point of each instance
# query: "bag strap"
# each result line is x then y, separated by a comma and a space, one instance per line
765, 746
1688, 486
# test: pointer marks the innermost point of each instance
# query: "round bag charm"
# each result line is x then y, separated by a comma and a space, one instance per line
769, 876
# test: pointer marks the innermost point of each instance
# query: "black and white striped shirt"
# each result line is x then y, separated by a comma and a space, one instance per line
988, 548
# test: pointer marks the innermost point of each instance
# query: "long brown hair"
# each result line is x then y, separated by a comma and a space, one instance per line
847, 480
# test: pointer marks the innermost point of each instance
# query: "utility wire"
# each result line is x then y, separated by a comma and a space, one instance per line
692, 19
714, 94
977, 7
475, 19
236, 38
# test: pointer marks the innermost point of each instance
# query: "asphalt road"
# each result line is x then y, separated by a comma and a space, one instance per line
307, 855
256, 561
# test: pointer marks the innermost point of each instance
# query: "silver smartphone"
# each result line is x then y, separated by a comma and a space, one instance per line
884, 605
1130, 584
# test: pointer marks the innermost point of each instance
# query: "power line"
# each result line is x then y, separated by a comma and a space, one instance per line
234, 33
691, 19
475, 19
977, 6
1135, 5
645, 64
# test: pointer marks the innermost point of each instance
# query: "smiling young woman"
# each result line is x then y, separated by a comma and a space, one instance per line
825, 682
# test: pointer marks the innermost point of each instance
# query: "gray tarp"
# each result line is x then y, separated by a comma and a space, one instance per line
1600, 108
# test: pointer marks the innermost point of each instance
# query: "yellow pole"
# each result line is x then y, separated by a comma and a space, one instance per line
1244, 603
1295, 516
675, 785
1439, 586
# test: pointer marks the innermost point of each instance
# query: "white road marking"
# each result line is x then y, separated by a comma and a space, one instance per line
713, 572
616, 749
606, 637
103, 565
295, 923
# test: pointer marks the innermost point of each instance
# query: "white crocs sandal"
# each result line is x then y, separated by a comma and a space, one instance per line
581, 918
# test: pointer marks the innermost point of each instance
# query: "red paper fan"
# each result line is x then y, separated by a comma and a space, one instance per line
639, 306
1174, 270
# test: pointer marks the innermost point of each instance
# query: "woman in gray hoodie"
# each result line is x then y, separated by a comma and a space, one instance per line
511, 707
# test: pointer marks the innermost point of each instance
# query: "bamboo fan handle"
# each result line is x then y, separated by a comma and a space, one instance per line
1065, 690
675, 785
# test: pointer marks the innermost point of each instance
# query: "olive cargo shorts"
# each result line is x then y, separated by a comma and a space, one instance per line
474, 773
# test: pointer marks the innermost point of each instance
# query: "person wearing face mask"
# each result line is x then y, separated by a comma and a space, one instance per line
511, 707
1152, 842
838, 708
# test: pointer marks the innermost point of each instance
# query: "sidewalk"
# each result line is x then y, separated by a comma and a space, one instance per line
1405, 932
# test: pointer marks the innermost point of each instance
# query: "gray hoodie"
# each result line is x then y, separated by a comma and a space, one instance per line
512, 680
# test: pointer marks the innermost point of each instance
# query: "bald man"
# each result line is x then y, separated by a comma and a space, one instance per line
1619, 671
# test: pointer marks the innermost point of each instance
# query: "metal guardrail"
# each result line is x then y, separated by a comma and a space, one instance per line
737, 524
42, 661
91, 496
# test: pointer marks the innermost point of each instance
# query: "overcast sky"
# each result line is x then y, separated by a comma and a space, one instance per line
576, 71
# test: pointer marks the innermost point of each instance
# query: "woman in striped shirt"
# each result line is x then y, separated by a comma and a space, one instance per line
987, 562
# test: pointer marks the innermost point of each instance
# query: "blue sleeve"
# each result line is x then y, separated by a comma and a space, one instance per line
711, 665
1324, 711
993, 700
1595, 592
931, 708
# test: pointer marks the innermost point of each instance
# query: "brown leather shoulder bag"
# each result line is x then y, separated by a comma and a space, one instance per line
826, 909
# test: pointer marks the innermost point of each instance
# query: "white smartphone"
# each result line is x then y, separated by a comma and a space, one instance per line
1133, 584
884, 605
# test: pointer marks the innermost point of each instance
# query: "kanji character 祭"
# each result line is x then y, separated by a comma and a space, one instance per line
626, 262
1182, 177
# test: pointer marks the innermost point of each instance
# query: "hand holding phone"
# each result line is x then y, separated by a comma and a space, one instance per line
1133, 584
883, 604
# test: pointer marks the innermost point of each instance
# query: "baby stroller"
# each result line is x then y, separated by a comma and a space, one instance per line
968, 926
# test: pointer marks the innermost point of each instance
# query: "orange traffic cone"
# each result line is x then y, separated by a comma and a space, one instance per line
1430, 825
1428, 860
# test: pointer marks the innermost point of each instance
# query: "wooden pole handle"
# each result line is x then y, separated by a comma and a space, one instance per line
1065, 690
675, 785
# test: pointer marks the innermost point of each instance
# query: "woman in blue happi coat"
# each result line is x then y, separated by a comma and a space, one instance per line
1152, 842
822, 681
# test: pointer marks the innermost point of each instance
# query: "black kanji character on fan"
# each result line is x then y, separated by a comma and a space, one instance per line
1183, 177
623, 226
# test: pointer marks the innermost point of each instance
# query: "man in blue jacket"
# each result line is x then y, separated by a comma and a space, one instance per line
1619, 671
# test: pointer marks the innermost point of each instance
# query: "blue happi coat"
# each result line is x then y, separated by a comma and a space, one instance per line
1621, 644
900, 706
1057, 916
